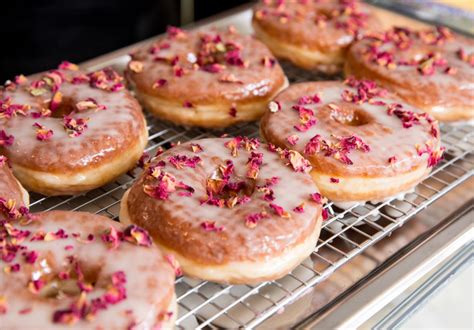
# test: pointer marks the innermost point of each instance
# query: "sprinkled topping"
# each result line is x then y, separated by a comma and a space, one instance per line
174, 264
137, 236
252, 219
196, 148
408, 118
338, 149
180, 161
5, 139
403, 39
230, 78
211, 226
268, 62
106, 79
334, 180
74, 126
274, 106
280, 211
292, 139
66, 65
111, 238
82, 309
175, 33
89, 104
135, 66
187, 104
9, 109
159, 83
56, 101
299, 208
366, 91
253, 164
298, 162
463, 56
166, 184
42, 133
233, 111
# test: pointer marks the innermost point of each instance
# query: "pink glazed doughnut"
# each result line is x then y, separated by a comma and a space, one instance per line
77, 270
66, 132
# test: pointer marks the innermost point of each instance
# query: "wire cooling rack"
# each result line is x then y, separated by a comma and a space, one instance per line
346, 234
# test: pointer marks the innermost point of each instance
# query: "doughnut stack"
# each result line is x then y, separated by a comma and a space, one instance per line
233, 209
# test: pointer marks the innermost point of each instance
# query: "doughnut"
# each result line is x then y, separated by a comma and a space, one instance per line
77, 270
12, 193
66, 132
363, 143
229, 209
433, 70
209, 78
312, 34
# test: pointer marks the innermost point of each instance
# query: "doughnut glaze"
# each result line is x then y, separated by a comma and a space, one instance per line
77, 270
209, 78
65, 131
431, 69
312, 34
237, 207
363, 143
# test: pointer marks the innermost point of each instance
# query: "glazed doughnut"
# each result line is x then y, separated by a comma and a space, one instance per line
79, 270
230, 210
12, 193
312, 34
66, 132
431, 69
207, 78
363, 144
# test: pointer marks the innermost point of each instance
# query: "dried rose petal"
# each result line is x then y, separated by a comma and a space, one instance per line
299, 208
111, 238
137, 235
252, 219
3, 305
31, 256
280, 211
253, 164
75, 126
196, 148
5, 139
174, 264
298, 162
135, 66
325, 214
35, 286
211, 226
268, 62
159, 83
292, 139
233, 111
230, 78
66, 65
274, 106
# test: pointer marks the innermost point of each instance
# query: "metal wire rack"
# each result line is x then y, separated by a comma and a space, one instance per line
346, 234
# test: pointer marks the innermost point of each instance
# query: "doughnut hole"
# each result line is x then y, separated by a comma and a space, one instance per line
215, 181
57, 288
350, 115
66, 107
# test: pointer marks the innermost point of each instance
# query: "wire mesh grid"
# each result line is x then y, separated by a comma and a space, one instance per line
346, 234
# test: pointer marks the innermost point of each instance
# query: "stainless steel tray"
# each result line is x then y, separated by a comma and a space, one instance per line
345, 248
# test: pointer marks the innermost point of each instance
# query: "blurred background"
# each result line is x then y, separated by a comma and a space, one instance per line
39, 34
